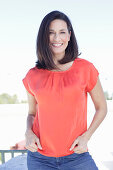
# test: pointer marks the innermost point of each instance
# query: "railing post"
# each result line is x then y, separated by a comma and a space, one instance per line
11, 152
3, 157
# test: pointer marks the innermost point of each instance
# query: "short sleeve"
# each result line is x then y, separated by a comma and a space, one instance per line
92, 77
26, 82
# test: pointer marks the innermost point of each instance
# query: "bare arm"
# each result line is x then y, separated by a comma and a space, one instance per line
32, 111
32, 141
100, 104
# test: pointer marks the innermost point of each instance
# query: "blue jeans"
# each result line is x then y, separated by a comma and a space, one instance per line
37, 161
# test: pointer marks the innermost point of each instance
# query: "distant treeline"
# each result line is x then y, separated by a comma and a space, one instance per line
8, 99
107, 96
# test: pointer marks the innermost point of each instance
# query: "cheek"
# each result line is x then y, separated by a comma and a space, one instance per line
50, 38
65, 38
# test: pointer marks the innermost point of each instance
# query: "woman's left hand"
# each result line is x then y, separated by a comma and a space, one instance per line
80, 144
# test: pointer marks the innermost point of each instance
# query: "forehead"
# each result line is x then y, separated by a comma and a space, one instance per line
58, 24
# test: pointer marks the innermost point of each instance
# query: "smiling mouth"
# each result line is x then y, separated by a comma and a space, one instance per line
57, 44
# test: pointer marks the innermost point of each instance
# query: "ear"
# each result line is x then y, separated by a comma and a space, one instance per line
69, 36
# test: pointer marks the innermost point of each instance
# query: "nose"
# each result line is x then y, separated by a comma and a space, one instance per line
56, 36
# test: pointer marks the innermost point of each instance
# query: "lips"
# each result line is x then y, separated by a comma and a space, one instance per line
57, 44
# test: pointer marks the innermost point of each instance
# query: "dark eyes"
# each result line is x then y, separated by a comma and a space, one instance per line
51, 32
54, 33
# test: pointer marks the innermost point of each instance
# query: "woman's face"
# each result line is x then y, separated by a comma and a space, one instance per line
58, 36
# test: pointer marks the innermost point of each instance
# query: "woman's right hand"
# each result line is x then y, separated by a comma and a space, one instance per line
32, 141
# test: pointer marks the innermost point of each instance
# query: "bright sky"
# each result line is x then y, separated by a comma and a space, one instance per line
19, 22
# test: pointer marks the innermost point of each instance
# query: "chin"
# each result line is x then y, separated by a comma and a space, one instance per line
58, 53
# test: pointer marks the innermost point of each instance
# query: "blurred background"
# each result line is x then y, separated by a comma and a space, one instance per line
92, 21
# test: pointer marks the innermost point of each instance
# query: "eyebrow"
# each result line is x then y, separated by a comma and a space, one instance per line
60, 30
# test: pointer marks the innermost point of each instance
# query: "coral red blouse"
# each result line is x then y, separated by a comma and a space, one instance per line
62, 104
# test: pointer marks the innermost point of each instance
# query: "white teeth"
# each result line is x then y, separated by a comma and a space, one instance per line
57, 45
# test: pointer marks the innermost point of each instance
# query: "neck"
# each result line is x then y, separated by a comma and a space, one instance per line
57, 57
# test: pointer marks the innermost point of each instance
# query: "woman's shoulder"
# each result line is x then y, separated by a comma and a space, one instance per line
86, 65
83, 61
30, 72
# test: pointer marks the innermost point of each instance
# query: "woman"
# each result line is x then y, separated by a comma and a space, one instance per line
57, 87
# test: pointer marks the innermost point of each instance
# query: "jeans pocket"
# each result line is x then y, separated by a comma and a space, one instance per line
79, 154
32, 153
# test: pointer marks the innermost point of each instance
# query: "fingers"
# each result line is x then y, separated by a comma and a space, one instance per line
32, 142
75, 143
79, 150
79, 145
38, 143
32, 147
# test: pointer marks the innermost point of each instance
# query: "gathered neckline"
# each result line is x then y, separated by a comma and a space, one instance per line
63, 71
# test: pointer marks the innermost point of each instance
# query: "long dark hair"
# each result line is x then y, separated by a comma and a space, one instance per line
43, 51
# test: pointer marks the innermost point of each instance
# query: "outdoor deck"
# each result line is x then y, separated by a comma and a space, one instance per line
20, 162
16, 162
